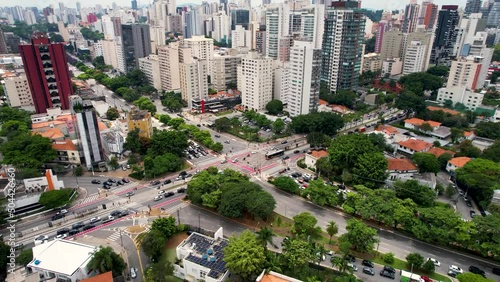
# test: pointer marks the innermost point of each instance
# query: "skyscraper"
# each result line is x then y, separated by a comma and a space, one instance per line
277, 26
343, 40
410, 19
255, 81
472, 6
136, 44
240, 17
445, 35
383, 26
134, 4
494, 15
46, 67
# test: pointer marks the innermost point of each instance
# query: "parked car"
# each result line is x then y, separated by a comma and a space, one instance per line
452, 273
119, 182
77, 225
95, 181
368, 271
435, 261
161, 192
296, 151
41, 238
181, 190
158, 197
468, 203
57, 217
350, 258
477, 270
128, 194
284, 142
367, 263
95, 219
456, 269
168, 181
88, 226
389, 269
18, 246
425, 279
62, 211
496, 270
227, 141
62, 236
125, 180
63, 231
111, 180
133, 272
217, 136
472, 213
155, 182
352, 266
116, 213
169, 194
387, 274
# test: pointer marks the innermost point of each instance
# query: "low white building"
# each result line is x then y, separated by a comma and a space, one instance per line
47, 182
457, 162
412, 146
62, 260
202, 258
400, 169
312, 157
459, 94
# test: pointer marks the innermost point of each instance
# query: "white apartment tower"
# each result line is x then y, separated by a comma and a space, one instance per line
225, 70
194, 83
241, 37
277, 26
168, 57
255, 81
304, 78
202, 48
414, 60
18, 93
157, 34
221, 27
465, 72
312, 24
150, 66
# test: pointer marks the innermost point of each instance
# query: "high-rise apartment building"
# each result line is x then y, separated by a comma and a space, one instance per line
221, 29
255, 81
260, 41
194, 80
91, 149
3, 44
150, 66
168, 57
469, 26
312, 25
277, 27
465, 72
414, 59
423, 36
428, 14
383, 27
445, 35
17, 91
225, 69
392, 44
472, 6
241, 37
203, 49
304, 77
410, 18
371, 62
48, 75
343, 40
136, 42
494, 15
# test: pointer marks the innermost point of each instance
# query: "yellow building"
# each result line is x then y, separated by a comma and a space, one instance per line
140, 119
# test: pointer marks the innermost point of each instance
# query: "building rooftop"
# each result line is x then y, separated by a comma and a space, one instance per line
436, 151
387, 129
448, 111
460, 161
442, 132
52, 133
400, 165
135, 114
207, 252
104, 277
415, 144
47, 124
66, 145
61, 256
319, 154
322, 102
275, 277
468, 133
102, 126
419, 122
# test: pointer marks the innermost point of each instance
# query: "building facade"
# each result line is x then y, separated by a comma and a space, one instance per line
414, 59
445, 35
91, 150
255, 81
136, 41
225, 71
194, 80
168, 57
203, 49
371, 62
18, 92
465, 72
150, 66
459, 94
141, 120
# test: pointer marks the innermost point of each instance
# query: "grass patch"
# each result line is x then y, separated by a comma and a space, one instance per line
219, 114
442, 205
169, 254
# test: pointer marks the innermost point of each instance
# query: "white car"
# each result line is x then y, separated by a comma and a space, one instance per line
235, 160
352, 266
435, 261
157, 198
41, 239
133, 272
161, 192
307, 175
62, 236
456, 269
95, 219
63, 211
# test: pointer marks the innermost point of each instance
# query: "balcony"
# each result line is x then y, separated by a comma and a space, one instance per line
56, 101
51, 79
47, 65
54, 94
52, 87
45, 57
49, 72
43, 49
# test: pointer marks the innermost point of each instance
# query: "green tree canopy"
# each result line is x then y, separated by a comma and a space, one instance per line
286, 183
244, 255
441, 71
426, 162
274, 107
112, 113
481, 177
415, 260
370, 169
360, 236
304, 224
168, 141
153, 243
105, 259
492, 152
489, 130
28, 150
471, 277
160, 271
420, 194
278, 126
166, 226
325, 122
145, 103
467, 149
409, 101
55, 198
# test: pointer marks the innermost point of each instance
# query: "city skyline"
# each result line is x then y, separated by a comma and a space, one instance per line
369, 4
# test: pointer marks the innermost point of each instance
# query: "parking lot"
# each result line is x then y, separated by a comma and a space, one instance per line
197, 154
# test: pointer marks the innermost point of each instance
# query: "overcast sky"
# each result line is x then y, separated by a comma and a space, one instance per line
374, 4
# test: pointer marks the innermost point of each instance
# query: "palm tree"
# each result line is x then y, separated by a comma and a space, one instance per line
264, 236
105, 259
332, 229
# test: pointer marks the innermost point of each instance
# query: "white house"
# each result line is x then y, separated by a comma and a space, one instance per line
401, 169
412, 146
202, 258
43, 183
62, 260
312, 157
455, 163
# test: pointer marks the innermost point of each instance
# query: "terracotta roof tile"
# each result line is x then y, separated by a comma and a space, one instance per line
460, 161
401, 165
52, 133
102, 126
66, 145
419, 122
105, 277
46, 124
319, 154
436, 151
323, 102
468, 133
387, 129
273, 278
448, 111
415, 144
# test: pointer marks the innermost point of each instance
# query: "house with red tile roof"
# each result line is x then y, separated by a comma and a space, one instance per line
436, 151
66, 152
412, 146
388, 130
341, 109
313, 156
104, 277
400, 169
416, 123
455, 163
53, 134
469, 135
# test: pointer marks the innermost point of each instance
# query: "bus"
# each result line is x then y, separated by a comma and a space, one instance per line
275, 153
407, 276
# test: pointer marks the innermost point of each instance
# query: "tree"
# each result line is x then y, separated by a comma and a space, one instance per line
496, 53
480, 177
443, 160
160, 271
112, 113
145, 103
370, 169
7, 113
429, 267
410, 189
324, 166
489, 130
304, 224
274, 107
217, 147
164, 119
343, 97
286, 183
28, 150
171, 141
137, 78
415, 260
176, 122
13, 128
132, 142
409, 101
166, 226
471, 277
264, 236
424, 80
341, 262
25, 257
345, 150
113, 163
359, 235
129, 95
467, 149
441, 71
55, 198
318, 139
322, 194
325, 122
332, 229
260, 204
222, 124
78, 171
172, 104
426, 162
153, 243
298, 253
244, 255
456, 134
426, 127
105, 259
278, 126
492, 152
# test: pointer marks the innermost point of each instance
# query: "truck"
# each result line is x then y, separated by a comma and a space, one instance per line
407, 276
362, 129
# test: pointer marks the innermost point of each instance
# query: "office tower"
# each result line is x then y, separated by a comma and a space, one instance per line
202, 48
240, 17
136, 42
413, 60
343, 40
150, 66
241, 37
445, 35
255, 81
63, 31
140, 119
194, 83
88, 133
430, 16
494, 15
134, 4
410, 19
277, 26
3, 44
168, 56
383, 27
48, 75
304, 77
472, 6
225, 69
17, 92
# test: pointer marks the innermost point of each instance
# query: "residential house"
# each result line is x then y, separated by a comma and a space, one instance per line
341, 109
66, 152
436, 151
388, 130
53, 134
400, 169
312, 157
412, 146
104, 277
272, 276
469, 135
438, 131
61, 260
202, 258
455, 163
112, 142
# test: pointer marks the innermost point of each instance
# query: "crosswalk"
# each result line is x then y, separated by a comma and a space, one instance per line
121, 189
113, 237
90, 199
174, 209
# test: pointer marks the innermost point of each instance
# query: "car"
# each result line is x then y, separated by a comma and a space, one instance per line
107, 187
466, 199
18, 246
455, 268
387, 274
307, 176
124, 213
95, 219
284, 142
188, 175
367, 263
116, 213
57, 217
368, 271
477, 270
168, 181
124, 168
74, 232
155, 182
88, 226
217, 136
199, 125
389, 269
62, 236
133, 272
472, 213
128, 166
62, 211
425, 279
350, 258
468, 203
179, 178
183, 173
161, 192
77, 225
108, 219
234, 160
63, 231
352, 266
169, 194
435, 261
227, 141
128, 194
41, 238
158, 197
460, 192
452, 273
119, 182
223, 161
296, 152
111, 180
125, 180
286, 157
496, 270
95, 181
181, 190
330, 253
